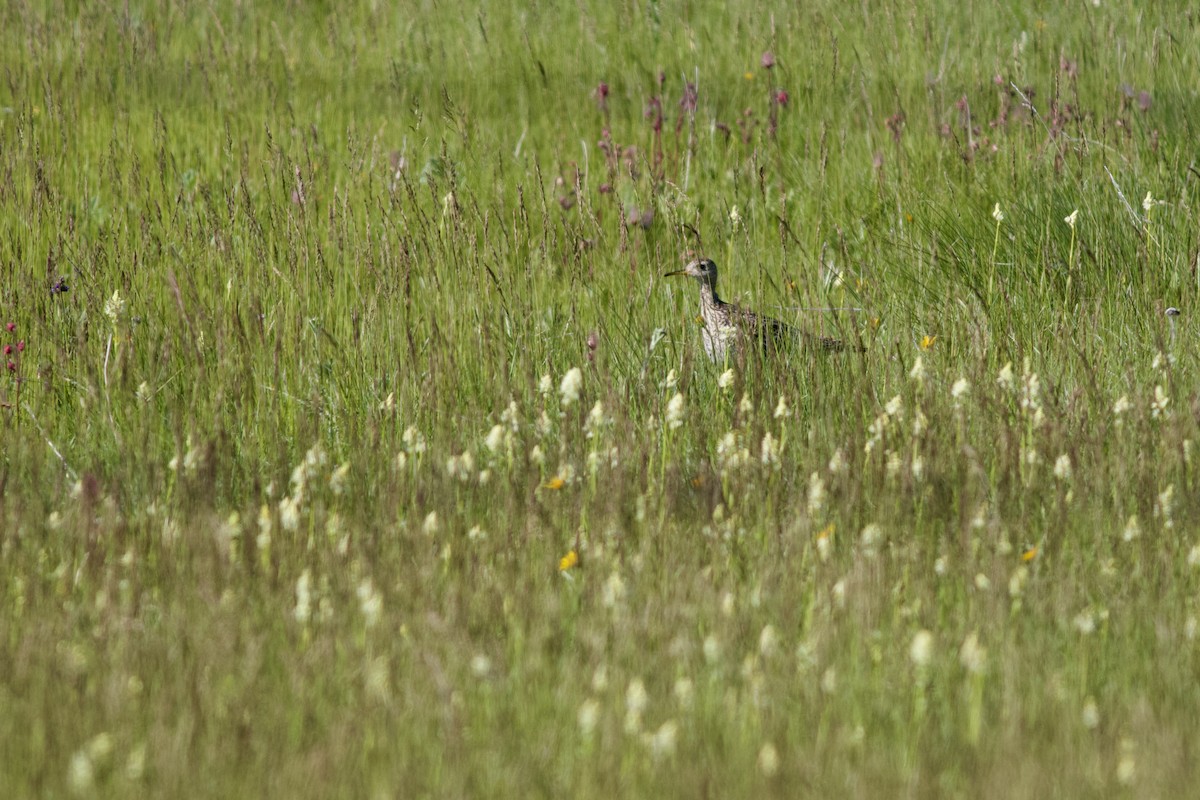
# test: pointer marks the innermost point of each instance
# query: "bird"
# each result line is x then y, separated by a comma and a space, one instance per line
727, 326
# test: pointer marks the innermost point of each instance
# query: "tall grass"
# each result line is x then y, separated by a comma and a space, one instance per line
298, 499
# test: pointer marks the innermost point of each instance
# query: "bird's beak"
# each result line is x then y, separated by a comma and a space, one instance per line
675, 273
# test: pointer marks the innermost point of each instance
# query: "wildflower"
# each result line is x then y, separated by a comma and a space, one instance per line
1016, 582
1164, 506
726, 379
1158, 408
414, 441
781, 97
1062, 467
1030, 554
712, 649
1127, 766
81, 773
570, 386
662, 742
1090, 716
971, 655
337, 481
770, 450
1162, 361
589, 715
303, 609
675, 411
735, 217
1148, 202
893, 464
670, 381
870, 537
495, 439
768, 760
555, 483
114, 308
960, 391
1085, 623
1006, 379
595, 419
837, 463
511, 417
684, 690
917, 373
1121, 406
613, 593
816, 494
636, 700
768, 60
1132, 529
370, 603
481, 665
997, 214
927, 341
545, 385
825, 541
289, 513
920, 651
745, 405
10, 327
768, 641
569, 561
1070, 218
894, 407
781, 408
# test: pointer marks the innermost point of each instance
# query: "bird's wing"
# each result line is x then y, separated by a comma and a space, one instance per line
772, 332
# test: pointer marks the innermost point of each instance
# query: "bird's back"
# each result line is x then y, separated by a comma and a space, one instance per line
765, 333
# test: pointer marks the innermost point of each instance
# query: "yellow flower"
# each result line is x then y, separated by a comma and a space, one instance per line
749, 76
927, 341
568, 561
875, 323
555, 483
1030, 554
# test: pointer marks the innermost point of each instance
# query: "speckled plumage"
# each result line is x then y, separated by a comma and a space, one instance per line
727, 327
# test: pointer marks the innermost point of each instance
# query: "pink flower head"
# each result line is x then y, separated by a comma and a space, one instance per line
768, 60
781, 97
8, 349
12, 326
21, 346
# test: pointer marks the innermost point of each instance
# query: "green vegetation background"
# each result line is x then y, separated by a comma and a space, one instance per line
290, 465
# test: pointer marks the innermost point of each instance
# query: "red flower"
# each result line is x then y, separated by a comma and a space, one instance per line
768, 60
8, 349
12, 367
12, 326
781, 97
21, 346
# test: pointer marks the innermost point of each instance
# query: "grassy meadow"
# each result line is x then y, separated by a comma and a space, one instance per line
352, 445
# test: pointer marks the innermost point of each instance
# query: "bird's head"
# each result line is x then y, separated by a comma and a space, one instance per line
702, 269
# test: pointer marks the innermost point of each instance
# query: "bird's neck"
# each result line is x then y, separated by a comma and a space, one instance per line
708, 295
